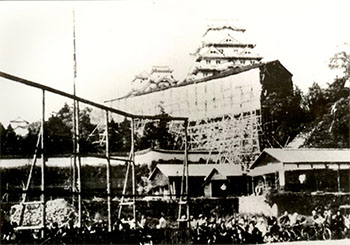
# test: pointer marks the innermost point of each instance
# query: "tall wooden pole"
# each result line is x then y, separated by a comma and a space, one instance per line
74, 116
109, 208
76, 132
184, 180
133, 169
187, 184
338, 178
79, 166
42, 197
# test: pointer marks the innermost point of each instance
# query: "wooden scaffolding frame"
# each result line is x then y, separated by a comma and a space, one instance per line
129, 161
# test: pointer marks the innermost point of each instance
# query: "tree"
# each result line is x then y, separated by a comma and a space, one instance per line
284, 116
2, 139
115, 137
124, 132
86, 128
58, 135
11, 143
330, 127
341, 60
156, 135
58, 132
30, 139
315, 101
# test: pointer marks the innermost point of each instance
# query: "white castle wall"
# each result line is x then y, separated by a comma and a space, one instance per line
214, 98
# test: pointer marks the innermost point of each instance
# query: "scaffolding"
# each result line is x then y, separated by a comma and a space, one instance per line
234, 137
223, 111
77, 190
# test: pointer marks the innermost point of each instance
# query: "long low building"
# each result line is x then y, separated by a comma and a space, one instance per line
302, 170
297, 170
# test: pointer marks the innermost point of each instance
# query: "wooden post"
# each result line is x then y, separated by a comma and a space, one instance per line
74, 116
77, 141
182, 187
133, 169
28, 181
108, 174
187, 183
338, 178
42, 197
184, 182
74, 189
124, 188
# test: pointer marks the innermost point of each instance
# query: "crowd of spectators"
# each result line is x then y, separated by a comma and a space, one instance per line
202, 229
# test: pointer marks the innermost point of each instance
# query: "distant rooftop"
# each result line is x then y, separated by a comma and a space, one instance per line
306, 155
199, 170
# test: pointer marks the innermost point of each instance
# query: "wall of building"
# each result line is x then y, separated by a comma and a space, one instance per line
214, 98
325, 180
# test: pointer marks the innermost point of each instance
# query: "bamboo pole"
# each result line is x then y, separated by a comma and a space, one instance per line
124, 189
74, 183
184, 179
29, 180
338, 178
187, 184
42, 198
78, 166
74, 156
108, 174
133, 170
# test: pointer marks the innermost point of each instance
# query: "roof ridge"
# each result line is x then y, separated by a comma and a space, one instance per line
308, 149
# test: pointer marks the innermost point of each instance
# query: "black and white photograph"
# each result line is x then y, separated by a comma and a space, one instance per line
175, 122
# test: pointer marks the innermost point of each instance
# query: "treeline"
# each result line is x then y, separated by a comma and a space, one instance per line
326, 110
58, 136
320, 117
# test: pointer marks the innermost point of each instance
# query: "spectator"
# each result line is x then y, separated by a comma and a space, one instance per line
193, 222
284, 219
328, 217
293, 219
142, 223
338, 224
254, 233
202, 221
261, 226
162, 222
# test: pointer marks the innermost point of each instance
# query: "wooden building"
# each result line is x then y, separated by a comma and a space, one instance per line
302, 170
209, 180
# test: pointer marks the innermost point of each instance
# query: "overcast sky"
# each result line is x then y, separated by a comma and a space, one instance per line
118, 39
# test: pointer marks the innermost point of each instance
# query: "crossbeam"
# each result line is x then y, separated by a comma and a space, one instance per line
35, 227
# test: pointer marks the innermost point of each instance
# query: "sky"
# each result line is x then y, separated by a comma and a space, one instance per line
116, 40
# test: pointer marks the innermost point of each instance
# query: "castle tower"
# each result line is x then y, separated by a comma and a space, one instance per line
160, 77
223, 46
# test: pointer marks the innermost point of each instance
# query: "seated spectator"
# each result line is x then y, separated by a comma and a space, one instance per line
202, 221
338, 224
193, 222
284, 219
293, 219
142, 223
261, 226
162, 222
